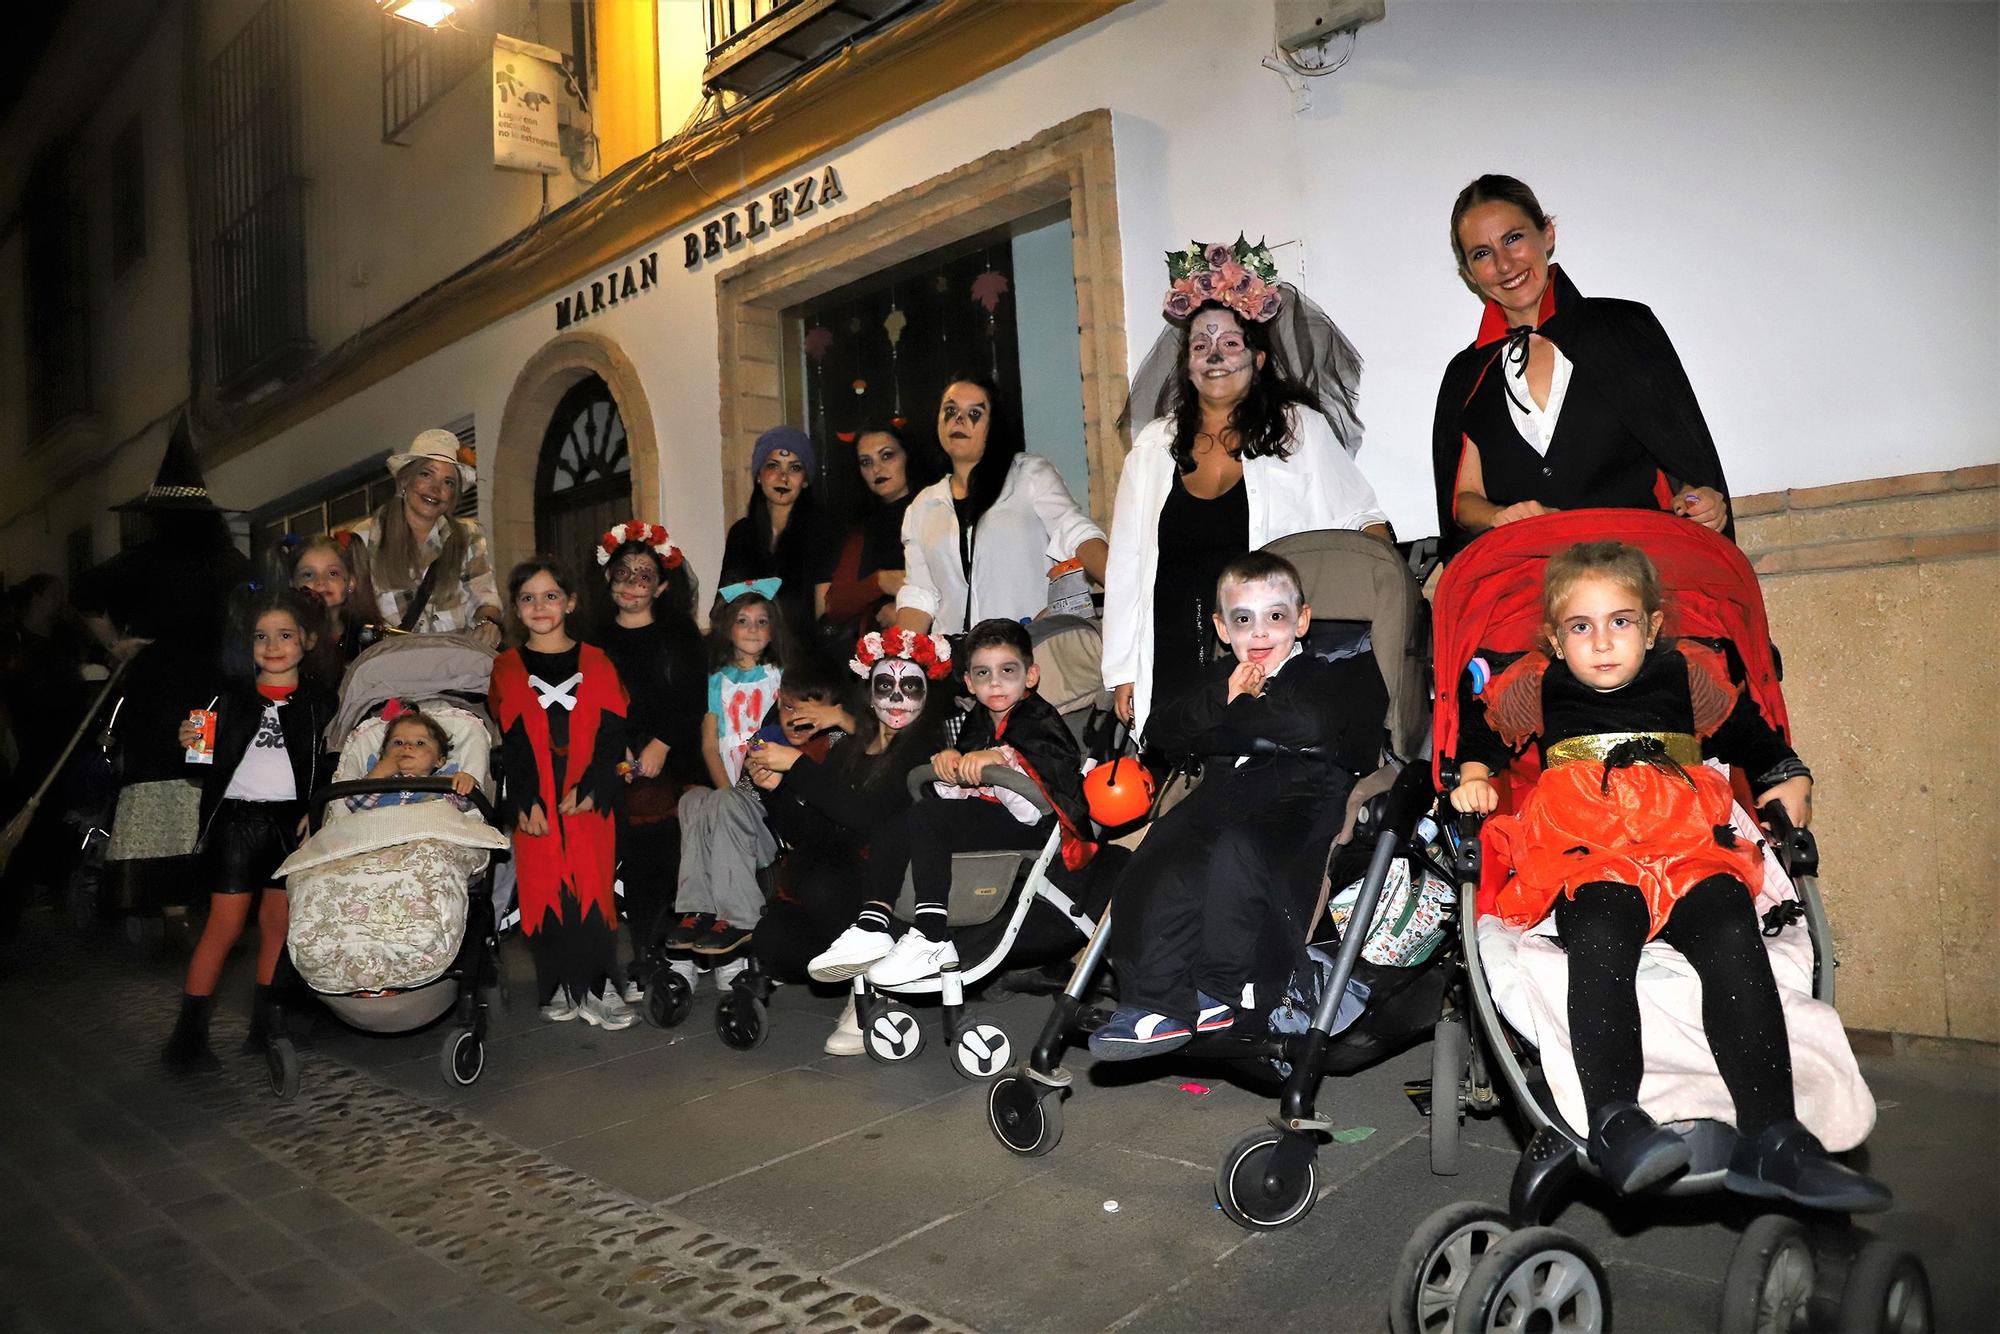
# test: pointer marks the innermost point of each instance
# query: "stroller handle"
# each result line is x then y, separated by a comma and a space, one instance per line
993, 775
1797, 849
361, 787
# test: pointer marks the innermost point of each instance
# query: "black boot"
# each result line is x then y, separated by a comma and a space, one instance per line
1631, 1150
187, 1051
1788, 1162
259, 1036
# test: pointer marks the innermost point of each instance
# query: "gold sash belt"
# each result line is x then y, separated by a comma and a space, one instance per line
1681, 747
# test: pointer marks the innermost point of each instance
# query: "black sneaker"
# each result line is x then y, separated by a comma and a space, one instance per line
1787, 1162
692, 927
720, 938
1631, 1150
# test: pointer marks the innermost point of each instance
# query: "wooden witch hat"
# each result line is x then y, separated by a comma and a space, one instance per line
179, 484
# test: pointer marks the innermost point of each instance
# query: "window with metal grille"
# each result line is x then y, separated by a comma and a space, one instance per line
419, 66
257, 254
58, 295
128, 197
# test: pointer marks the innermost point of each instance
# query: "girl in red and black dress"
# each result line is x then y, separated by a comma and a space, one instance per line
1562, 402
1627, 836
561, 712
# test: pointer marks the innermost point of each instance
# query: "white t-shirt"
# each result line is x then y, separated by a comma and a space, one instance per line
265, 773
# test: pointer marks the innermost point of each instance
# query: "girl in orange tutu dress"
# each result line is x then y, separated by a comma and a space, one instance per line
1627, 836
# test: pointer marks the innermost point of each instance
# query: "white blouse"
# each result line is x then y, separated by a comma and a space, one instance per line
1035, 523
1316, 486
1536, 425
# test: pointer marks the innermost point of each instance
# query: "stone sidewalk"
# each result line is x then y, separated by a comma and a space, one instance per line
652, 1180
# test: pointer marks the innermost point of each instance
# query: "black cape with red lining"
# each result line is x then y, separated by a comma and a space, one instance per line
1625, 368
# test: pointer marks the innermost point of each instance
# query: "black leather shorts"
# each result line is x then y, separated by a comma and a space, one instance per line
246, 842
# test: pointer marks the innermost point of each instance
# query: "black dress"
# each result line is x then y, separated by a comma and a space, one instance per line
1197, 538
803, 560
1629, 416
665, 674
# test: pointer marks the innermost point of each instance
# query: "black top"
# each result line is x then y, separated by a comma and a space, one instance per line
665, 672
1042, 739
834, 807
239, 714
1658, 699
1197, 538
1337, 709
601, 781
1629, 414
803, 560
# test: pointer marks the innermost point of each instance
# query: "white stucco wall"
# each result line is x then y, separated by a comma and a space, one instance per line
1808, 194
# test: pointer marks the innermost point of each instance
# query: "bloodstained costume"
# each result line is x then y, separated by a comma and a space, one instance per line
563, 714
1630, 433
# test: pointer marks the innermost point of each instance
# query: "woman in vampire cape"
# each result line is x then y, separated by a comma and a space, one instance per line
1562, 401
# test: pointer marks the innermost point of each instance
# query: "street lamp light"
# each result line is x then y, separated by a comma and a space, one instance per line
428, 13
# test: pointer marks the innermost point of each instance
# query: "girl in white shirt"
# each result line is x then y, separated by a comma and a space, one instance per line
979, 543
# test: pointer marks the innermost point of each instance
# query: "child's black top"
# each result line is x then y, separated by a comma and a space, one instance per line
836, 805
1038, 734
1337, 709
1681, 687
239, 713
665, 672
601, 782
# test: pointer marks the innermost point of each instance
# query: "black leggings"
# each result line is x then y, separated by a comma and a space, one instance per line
1714, 926
922, 840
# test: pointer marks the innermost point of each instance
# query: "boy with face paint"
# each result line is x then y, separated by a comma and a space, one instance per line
1010, 726
1211, 911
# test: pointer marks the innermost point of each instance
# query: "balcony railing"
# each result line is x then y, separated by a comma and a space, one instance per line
756, 44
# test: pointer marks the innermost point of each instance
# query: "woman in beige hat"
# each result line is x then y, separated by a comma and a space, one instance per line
433, 573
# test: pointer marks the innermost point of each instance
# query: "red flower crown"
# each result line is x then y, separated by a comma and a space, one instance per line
638, 530
932, 653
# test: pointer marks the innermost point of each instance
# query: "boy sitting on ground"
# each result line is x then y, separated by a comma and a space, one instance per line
1010, 726
1211, 909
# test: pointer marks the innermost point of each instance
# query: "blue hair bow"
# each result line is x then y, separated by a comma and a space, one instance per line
763, 588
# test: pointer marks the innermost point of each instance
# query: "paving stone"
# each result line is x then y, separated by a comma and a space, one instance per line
306, 1288
259, 1181
172, 1185
361, 1318
256, 1249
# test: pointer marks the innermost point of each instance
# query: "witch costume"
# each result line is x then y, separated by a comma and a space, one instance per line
562, 723
1629, 435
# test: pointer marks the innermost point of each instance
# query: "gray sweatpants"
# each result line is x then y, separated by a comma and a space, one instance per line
723, 843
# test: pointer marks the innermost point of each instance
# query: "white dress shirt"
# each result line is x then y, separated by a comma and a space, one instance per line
1035, 523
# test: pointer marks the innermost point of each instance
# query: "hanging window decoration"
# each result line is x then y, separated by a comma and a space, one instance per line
818, 342
987, 289
893, 325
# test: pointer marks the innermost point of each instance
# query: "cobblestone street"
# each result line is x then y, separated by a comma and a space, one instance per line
653, 1180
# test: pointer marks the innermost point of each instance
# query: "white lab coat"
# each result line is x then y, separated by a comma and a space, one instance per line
1317, 486
1034, 524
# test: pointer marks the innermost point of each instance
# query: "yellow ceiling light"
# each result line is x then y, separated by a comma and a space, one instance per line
429, 13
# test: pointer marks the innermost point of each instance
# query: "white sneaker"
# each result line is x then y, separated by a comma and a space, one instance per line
850, 953
726, 973
560, 1007
845, 1040
632, 993
914, 957
608, 1012
688, 972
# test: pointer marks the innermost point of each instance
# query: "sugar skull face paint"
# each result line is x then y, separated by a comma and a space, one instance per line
1261, 619
1220, 362
897, 689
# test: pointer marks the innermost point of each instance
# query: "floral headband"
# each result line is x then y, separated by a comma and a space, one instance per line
1240, 276
638, 530
932, 653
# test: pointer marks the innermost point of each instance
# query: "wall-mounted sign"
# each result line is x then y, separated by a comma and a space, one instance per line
754, 220
606, 292
527, 81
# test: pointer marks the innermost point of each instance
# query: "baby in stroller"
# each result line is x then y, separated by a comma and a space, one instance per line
1215, 918
414, 746
1628, 836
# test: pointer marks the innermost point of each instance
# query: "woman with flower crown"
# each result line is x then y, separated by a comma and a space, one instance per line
652, 639
827, 813
1252, 388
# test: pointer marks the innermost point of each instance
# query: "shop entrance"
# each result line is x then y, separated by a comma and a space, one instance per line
583, 481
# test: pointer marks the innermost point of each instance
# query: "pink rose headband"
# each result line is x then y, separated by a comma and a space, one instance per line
1240, 276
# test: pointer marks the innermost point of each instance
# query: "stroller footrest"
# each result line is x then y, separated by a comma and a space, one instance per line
1303, 1125
1057, 1078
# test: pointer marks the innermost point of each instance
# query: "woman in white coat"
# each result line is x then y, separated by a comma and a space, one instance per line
1241, 456
979, 542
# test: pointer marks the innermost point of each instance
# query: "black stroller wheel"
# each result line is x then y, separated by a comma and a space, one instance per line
669, 999
1448, 1050
1538, 1278
893, 1035
1441, 1254
1769, 1283
1259, 1189
281, 1062
1025, 1117
981, 1050
739, 1021
1887, 1292
462, 1057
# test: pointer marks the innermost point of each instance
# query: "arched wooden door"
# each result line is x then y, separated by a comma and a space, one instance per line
583, 482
